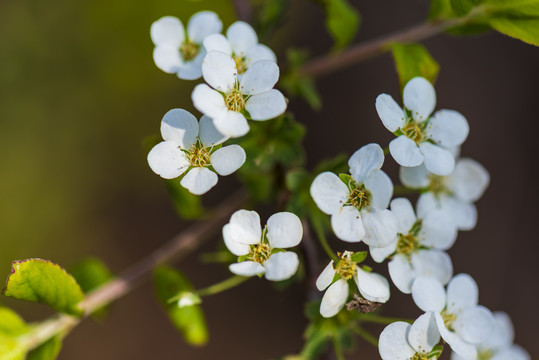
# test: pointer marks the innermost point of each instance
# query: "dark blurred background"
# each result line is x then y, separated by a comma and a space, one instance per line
79, 92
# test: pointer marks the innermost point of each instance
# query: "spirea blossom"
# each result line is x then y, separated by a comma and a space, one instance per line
358, 205
373, 287
241, 44
193, 148
418, 248
260, 250
453, 194
179, 50
422, 138
461, 322
230, 101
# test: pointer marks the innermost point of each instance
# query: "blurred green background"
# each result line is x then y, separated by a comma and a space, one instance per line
79, 92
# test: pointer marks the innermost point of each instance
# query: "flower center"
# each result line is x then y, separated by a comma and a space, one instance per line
241, 66
260, 252
414, 131
437, 184
418, 356
346, 268
360, 197
234, 100
189, 50
198, 155
407, 244
448, 318
484, 354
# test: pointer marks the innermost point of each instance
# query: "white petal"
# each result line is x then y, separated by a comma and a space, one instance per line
515, 352
246, 268
281, 266
438, 160
401, 273
502, 334
258, 53
219, 70
181, 127
347, 224
424, 334
217, 42
208, 101
463, 214
380, 227
402, 208
242, 37
167, 160
420, 98
266, 105
469, 180
245, 227
393, 343
259, 78
379, 254
432, 263
474, 324
232, 124
372, 286
370, 157
284, 230
227, 159
167, 58
390, 112
167, 31
414, 177
199, 180
428, 202
381, 188
448, 128
405, 152
334, 299
438, 230
326, 277
428, 294
462, 293
329, 192
462, 348
208, 133
203, 24
192, 70
235, 247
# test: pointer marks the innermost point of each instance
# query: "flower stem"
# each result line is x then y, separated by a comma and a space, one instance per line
366, 335
323, 241
222, 286
339, 353
378, 319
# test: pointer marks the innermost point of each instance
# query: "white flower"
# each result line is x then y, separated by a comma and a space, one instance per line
402, 341
178, 50
499, 344
358, 208
418, 249
240, 43
461, 322
422, 138
260, 250
190, 146
232, 99
372, 286
453, 194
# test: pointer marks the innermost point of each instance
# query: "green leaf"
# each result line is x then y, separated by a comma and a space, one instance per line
413, 60
270, 15
342, 22
523, 29
462, 7
187, 205
49, 350
11, 324
11, 349
346, 179
90, 274
298, 85
358, 257
188, 320
43, 281
440, 10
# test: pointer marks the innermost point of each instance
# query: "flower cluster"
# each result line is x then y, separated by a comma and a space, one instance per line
241, 74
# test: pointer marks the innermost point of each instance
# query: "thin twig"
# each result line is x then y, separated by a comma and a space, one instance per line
311, 254
178, 247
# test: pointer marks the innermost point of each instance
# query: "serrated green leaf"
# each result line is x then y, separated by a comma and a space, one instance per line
49, 350
462, 7
523, 29
342, 21
11, 324
188, 320
90, 274
43, 281
358, 257
413, 60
